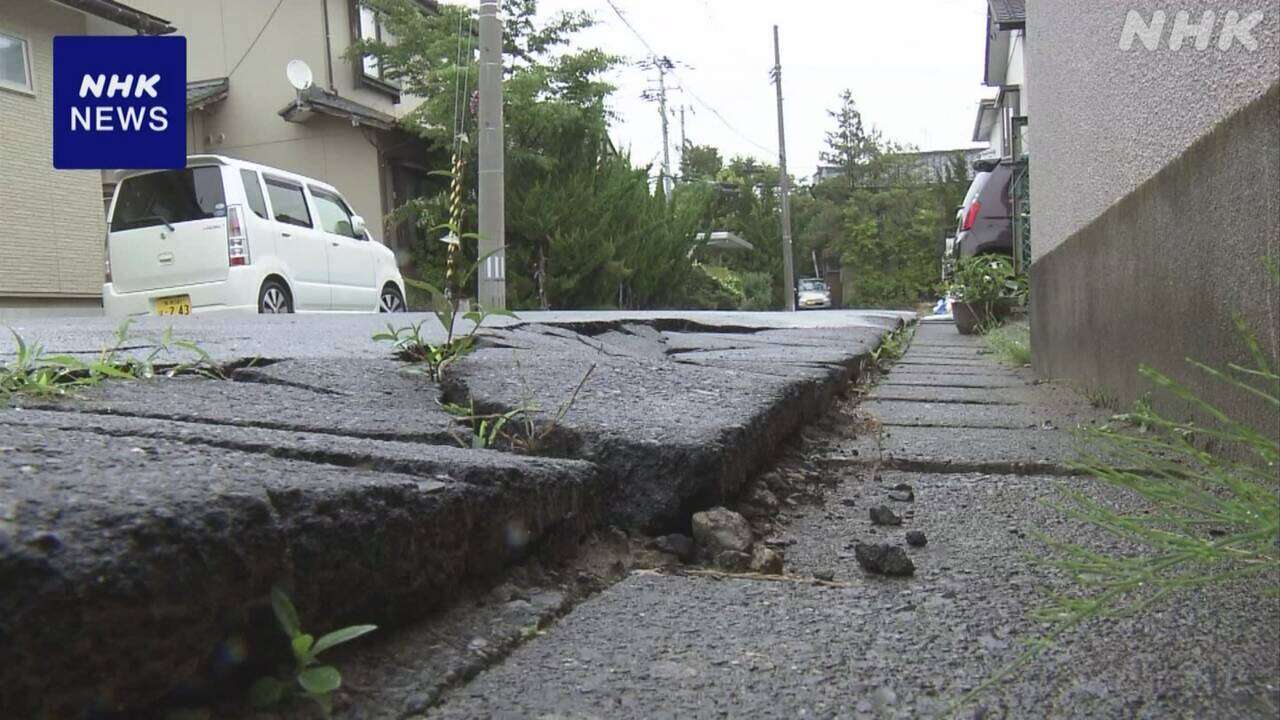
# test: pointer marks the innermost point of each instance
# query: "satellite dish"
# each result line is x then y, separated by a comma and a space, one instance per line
299, 74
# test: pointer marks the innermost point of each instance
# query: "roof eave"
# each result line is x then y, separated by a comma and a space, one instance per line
297, 112
121, 14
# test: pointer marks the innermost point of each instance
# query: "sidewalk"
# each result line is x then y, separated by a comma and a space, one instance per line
983, 447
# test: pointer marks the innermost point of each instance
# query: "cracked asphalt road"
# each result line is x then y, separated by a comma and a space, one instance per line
122, 506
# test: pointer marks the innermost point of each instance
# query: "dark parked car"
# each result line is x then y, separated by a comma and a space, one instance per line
986, 218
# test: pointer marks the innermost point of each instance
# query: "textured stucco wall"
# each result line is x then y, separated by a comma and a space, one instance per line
1107, 119
1162, 275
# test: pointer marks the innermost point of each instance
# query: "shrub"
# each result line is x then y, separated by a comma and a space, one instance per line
757, 291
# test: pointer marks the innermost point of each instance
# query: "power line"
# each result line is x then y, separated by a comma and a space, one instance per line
256, 38
683, 83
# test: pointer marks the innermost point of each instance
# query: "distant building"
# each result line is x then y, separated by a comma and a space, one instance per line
921, 167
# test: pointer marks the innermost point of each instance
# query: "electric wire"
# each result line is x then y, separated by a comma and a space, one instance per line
684, 85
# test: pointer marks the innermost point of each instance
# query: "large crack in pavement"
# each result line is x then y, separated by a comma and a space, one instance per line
418, 521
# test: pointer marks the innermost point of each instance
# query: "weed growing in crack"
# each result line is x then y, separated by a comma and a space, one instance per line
892, 347
518, 429
486, 430
306, 679
1099, 397
409, 342
1010, 343
531, 438
36, 373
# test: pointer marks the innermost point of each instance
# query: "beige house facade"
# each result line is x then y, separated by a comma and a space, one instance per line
51, 248
343, 130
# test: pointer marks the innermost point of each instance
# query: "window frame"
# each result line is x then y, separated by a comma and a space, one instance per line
245, 174
128, 183
318, 193
267, 180
379, 81
30, 88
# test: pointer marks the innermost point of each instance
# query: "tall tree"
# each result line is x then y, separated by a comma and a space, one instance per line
584, 228
850, 147
700, 162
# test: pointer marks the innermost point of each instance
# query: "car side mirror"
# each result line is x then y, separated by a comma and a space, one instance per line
358, 227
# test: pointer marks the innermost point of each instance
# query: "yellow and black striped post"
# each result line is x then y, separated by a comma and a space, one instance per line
455, 221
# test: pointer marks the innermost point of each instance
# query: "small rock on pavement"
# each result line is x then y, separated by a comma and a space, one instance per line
766, 561
733, 561
761, 501
824, 575
675, 544
915, 538
719, 530
902, 492
884, 559
884, 516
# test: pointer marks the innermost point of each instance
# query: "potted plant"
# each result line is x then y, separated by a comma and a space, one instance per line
984, 289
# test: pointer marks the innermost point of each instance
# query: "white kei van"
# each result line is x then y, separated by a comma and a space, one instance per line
225, 234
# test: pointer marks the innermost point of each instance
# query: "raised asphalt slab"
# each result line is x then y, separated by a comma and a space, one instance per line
122, 508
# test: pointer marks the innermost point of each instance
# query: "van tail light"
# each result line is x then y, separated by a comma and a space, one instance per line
237, 240
972, 216
106, 258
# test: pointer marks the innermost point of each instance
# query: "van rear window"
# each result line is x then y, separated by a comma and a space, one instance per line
169, 197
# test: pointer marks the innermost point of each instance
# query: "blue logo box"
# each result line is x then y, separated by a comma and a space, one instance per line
119, 102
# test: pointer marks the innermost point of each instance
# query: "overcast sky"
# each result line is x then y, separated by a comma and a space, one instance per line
914, 66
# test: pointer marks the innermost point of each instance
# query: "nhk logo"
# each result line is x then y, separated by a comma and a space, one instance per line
119, 102
1196, 31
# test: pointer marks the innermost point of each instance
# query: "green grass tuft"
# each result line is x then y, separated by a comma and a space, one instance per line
1011, 344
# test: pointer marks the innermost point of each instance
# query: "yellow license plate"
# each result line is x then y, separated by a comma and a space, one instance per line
176, 305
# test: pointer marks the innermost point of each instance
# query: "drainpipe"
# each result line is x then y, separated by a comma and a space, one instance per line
328, 47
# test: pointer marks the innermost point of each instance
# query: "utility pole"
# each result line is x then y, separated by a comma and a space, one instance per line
788, 263
493, 273
684, 139
663, 64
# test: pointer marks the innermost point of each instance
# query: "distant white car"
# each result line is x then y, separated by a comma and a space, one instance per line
225, 234
812, 294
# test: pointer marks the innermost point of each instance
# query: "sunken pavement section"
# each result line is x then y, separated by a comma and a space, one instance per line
142, 524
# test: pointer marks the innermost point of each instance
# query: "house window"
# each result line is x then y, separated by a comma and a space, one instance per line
370, 29
15, 64
367, 26
1009, 112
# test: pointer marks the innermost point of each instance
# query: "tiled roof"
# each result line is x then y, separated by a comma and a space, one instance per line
201, 93
317, 99
1009, 13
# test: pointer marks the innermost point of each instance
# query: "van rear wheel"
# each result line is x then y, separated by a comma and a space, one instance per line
274, 298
